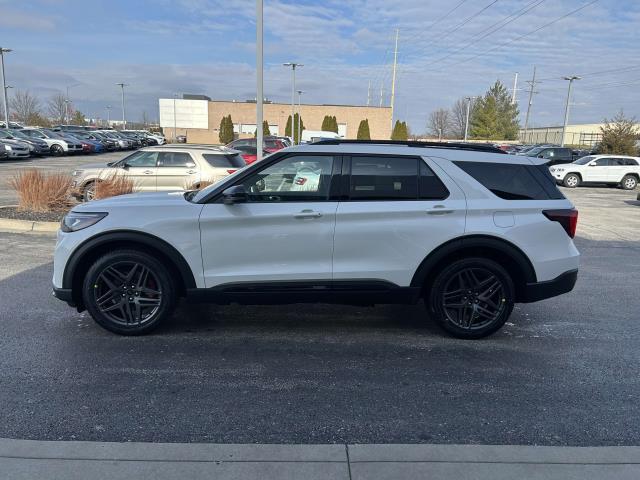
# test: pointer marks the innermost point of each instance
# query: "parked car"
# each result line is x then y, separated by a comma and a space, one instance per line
19, 148
122, 143
110, 144
341, 222
71, 137
4, 151
37, 147
271, 144
57, 144
161, 168
249, 153
619, 170
552, 155
86, 137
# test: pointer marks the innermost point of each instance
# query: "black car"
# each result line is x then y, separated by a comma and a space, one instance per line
553, 155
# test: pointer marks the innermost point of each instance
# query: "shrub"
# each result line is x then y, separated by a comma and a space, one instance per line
38, 192
113, 186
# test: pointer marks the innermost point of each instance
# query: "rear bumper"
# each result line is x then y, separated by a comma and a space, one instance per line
551, 288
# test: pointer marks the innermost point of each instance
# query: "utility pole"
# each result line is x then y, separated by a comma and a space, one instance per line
108, 115
293, 92
515, 88
259, 79
532, 83
175, 123
300, 92
124, 117
381, 94
566, 108
369, 94
466, 122
393, 82
4, 87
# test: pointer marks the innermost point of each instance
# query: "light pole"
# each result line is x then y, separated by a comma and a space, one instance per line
68, 102
4, 87
108, 115
293, 92
124, 118
300, 92
175, 124
566, 108
259, 79
466, 122
66, 111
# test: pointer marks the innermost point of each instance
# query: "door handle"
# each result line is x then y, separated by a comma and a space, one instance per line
148, 172
191, 172
439, 210
308, 214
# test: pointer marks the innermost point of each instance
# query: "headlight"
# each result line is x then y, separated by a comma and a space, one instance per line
7, 148
74, 221
75, 173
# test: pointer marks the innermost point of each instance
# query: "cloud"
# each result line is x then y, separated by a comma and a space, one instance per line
15, 19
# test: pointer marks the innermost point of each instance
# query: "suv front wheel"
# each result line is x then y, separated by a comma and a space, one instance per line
572, 180
472, 298
129, 292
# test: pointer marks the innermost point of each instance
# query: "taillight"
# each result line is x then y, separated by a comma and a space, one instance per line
568, 218
231, 171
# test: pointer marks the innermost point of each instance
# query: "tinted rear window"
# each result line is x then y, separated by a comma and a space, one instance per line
224, 161
514, 182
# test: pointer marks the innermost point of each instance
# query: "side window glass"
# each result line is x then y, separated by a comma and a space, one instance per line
431, 187
175, 159
293, 179
142, 159
602, 162
384, 178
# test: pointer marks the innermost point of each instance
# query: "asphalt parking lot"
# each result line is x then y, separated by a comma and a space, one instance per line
565, 371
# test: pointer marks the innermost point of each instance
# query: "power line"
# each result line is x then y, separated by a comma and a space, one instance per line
434, 23
601, 72
520, 37
519, 13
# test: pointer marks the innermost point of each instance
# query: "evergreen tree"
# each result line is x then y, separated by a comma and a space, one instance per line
493, 116
226, 130
396, 131
78, 118
326, 124
265, 129
619, 136
296, 135
333, 127
400, 131
363, 130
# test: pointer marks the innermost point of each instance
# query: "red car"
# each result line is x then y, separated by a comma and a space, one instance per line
249, 153
271, 144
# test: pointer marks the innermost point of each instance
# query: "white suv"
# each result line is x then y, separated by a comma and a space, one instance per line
611, 169
466, 228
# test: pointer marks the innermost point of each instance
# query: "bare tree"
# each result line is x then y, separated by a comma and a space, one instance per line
458, 117
439, 123
25, 107
57, 107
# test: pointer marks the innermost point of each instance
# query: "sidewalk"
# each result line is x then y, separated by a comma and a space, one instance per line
34, 460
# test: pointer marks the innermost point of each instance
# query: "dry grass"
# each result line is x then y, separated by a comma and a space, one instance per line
38, 192
113, 186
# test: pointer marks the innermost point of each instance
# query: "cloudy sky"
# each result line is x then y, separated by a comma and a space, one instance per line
447, 49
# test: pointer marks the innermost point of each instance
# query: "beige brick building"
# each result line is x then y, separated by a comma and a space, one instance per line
199, 120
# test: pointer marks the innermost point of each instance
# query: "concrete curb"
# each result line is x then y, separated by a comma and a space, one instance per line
26, 226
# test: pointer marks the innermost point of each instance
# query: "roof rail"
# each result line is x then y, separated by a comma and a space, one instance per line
414, 143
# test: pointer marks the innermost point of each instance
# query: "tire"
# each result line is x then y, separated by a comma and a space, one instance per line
129, 309
466, 315
629, 182
89, 191
57, 150
571, 181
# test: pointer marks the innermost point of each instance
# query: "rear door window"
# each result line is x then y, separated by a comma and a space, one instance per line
513, 181
602, 162
224, 161
384, 178
175, 159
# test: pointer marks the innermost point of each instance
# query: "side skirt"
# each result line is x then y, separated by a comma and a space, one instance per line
362, 292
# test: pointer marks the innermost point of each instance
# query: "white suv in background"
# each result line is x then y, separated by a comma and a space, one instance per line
467, 228
619, 170
57, 144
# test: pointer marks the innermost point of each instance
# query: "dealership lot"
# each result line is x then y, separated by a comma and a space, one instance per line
562, 372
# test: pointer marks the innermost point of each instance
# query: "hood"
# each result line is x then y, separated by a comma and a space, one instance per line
146, 199
90, 166
17, 143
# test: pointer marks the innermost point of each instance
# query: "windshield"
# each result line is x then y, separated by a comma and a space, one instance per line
19, 134
534, 151
584, 160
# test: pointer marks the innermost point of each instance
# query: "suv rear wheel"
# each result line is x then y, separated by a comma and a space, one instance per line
629, 182
89, 191
129, 292
472, 298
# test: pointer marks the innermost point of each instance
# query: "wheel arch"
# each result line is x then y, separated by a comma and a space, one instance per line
82, 257
511, 257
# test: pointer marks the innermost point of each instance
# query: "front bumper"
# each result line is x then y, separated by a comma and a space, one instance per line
563, 283
63, 294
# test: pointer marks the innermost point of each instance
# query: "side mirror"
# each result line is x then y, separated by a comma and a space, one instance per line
190, 165
125, 165
541, 156
235, 194
592, 165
